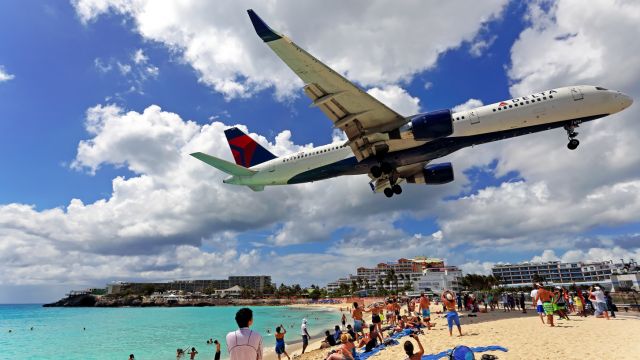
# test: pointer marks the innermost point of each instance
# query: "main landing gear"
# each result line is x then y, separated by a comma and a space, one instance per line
571, 134
386, 169
395, 189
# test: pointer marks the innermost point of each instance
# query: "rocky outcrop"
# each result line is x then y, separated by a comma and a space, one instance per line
75, 301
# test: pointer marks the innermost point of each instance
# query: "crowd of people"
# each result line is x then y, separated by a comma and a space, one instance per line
388, 321
561, 302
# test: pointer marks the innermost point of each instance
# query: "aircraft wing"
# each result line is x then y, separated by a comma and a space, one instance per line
358, 114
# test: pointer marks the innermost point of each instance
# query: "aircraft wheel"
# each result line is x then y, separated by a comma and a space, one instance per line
388, 192
375, 171
573, 144
386, 168
397, 189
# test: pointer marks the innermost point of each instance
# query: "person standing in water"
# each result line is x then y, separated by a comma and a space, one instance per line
280, 345
217, 355
193, 353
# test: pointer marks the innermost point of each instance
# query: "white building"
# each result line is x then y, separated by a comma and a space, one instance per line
232, 292
625, 281
438, 280
567, 274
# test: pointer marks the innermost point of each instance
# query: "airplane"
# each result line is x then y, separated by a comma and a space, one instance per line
391, 148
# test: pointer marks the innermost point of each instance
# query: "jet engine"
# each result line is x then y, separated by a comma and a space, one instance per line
432, 125
433, 174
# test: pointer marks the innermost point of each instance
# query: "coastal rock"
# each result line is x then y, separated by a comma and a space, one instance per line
74, 301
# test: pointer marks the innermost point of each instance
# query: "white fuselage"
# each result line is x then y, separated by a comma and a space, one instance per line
546, 107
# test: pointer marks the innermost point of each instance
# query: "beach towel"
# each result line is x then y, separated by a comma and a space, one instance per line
476, 349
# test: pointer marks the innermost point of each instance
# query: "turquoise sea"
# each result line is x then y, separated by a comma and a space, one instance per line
148, 333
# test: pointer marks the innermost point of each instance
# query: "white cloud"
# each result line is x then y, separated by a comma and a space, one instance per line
468, 105
136, 71
4, 75
397, 99
479, 46
154, 223
139, 57
218, 41
565, 193
589, 255
477, 267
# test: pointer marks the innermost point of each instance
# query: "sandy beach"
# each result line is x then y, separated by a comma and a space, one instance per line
522, 334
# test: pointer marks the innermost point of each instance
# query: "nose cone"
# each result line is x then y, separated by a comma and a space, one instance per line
626, 101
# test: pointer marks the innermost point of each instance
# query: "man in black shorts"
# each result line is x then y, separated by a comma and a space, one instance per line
305, 335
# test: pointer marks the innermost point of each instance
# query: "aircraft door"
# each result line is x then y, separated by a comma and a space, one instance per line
473, 117
577, 94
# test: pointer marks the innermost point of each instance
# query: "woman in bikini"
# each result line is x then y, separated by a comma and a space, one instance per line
280, 345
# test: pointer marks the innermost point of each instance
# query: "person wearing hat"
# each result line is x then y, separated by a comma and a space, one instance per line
597, 296
449, 301
305, 335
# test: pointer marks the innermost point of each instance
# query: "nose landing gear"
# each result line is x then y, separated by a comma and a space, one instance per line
571, 134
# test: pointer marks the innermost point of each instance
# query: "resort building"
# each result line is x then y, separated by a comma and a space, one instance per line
566, 274
417, 273
256, 283
436, 280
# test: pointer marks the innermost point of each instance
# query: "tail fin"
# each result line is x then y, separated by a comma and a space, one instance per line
246, 151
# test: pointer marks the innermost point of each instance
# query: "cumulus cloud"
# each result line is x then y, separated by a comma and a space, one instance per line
397, 98
218, 41
564, 193
589, 255
468, 105
4, 75
157, 223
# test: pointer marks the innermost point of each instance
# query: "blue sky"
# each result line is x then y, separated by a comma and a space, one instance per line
64, 62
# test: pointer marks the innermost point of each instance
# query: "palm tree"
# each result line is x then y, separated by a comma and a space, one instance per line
389, 277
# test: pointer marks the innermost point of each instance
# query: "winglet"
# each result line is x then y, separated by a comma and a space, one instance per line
263, 30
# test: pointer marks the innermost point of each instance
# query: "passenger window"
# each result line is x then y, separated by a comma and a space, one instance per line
550, 96
510, 106
544, 98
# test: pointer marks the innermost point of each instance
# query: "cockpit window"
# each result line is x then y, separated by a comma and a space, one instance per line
600, 88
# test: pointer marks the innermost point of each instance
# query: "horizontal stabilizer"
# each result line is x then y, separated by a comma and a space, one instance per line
223, 165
